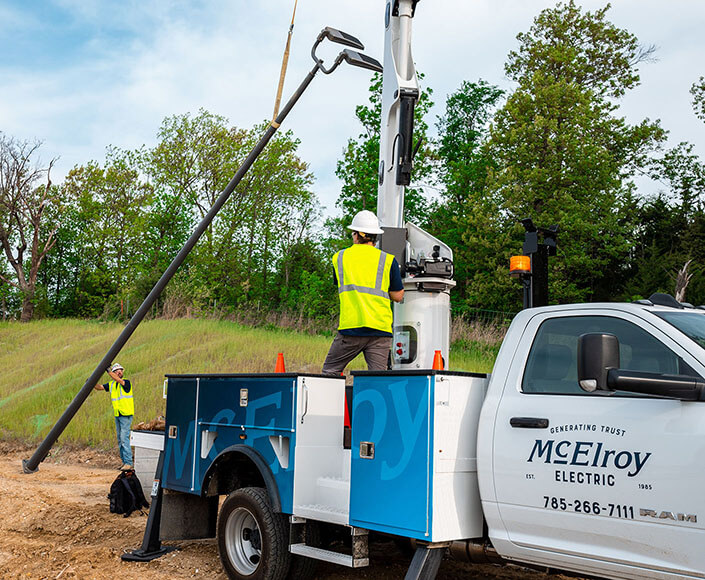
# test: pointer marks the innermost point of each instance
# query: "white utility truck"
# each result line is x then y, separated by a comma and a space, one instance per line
580, 452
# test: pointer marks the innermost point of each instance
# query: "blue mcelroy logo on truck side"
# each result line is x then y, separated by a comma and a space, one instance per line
588, 454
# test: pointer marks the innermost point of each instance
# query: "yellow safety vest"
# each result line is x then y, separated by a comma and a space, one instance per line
123, 403
363, 287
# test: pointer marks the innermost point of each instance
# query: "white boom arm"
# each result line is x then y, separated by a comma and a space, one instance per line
400, 91
422, 321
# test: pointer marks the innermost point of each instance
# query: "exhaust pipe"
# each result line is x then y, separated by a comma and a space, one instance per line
475, 552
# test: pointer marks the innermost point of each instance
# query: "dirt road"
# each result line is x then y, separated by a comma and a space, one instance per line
56, 524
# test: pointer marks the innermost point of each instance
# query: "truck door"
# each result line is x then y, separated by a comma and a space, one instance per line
607, 484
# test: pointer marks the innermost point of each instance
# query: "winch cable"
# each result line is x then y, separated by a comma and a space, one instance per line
285, 63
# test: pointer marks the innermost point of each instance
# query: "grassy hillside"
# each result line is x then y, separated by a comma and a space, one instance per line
44, 364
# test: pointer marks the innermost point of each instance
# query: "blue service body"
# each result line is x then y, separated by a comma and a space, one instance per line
199, 403
393, 412
411, 470
398, 411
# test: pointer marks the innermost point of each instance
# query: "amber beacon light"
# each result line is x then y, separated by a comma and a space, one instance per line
519, 265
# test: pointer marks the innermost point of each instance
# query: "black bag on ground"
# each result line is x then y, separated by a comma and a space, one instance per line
126, 495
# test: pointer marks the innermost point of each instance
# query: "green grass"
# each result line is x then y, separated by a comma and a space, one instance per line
44, 364
476, 357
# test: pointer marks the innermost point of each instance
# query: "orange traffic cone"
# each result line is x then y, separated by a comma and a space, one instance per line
437, 361
279, 368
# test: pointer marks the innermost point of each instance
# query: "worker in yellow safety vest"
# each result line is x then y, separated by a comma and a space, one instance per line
368, 279
120, 390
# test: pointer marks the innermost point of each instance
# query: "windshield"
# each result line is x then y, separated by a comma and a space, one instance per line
692, 324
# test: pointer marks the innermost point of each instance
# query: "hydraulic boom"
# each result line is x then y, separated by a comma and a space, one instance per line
422, 320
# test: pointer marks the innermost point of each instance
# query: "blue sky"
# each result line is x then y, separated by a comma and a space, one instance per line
84, 74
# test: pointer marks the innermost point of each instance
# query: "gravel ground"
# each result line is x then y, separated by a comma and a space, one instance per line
56, 524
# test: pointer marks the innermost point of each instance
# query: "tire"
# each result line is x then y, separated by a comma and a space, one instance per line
252, 538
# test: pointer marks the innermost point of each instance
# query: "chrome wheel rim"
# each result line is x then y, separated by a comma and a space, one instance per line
243, 541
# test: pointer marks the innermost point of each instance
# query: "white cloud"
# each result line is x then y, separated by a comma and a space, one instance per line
133, 63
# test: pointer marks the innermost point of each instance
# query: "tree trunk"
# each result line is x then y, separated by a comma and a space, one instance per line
26, 204
682, 280
27, 307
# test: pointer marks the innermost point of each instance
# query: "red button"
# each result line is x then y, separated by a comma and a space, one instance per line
400, 351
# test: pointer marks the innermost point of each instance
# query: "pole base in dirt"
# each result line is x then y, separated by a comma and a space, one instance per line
26, 468
140, 555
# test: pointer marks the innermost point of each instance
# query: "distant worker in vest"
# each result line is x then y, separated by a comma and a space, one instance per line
123, 409
367, 279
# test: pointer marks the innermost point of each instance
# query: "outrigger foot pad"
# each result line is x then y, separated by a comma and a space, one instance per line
140, 555
426, 561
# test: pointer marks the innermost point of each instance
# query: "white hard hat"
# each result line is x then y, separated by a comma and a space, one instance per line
366, 222
117, 367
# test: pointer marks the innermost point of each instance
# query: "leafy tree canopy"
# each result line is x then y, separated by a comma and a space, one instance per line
563, 157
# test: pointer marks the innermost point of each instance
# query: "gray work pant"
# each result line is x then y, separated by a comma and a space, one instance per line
345, 348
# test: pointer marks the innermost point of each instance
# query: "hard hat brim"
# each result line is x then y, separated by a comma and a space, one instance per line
365, 230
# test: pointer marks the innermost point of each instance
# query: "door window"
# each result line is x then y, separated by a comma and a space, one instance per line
552, 363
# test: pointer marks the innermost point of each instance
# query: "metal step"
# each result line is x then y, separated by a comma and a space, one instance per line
322, 513
328, 556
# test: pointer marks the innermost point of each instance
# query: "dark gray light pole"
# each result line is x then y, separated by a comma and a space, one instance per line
535, 283
351, 57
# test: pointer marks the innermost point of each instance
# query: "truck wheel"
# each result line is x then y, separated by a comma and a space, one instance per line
251, 537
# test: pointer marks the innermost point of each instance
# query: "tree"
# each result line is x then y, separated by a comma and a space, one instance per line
698, 92
670, 228
359, 165
8, 294
464, 214
29, 215
306, 282
278, 210
563, 155
100, 244
658, 235
682, 280
463, 131
271, 208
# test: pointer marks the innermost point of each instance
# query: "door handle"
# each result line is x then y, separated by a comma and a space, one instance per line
305, 400
528, 422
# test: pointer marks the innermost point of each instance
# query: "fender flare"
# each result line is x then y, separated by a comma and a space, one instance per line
261, 465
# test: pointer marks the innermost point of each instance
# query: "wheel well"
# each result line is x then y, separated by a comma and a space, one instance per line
232, 471
238, 467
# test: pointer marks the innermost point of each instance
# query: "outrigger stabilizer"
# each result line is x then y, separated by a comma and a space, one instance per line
349, 55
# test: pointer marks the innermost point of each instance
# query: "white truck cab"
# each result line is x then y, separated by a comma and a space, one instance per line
607, 483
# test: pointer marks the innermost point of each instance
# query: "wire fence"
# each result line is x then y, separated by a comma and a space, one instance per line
479, 326
487, 317
473, 325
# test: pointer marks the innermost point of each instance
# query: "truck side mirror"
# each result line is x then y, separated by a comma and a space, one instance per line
597, 354
598, 370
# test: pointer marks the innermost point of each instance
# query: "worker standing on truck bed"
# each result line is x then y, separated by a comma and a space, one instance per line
367, 279
123, 408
